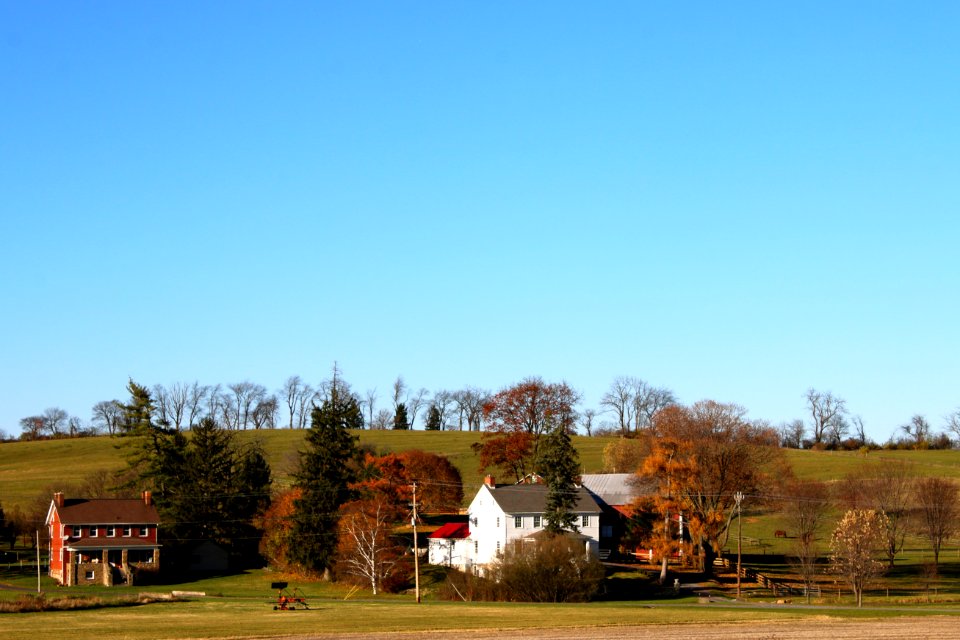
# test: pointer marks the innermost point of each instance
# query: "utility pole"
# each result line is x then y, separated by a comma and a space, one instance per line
416, 548
739, 498
38, 561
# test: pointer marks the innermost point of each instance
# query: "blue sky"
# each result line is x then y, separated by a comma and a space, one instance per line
738, 201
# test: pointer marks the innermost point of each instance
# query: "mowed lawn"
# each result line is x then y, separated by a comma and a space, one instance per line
227, 613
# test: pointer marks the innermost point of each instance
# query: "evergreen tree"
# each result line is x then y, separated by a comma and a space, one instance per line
433, 419
137, 415
206, 487
327, 467
400, 421
559, 465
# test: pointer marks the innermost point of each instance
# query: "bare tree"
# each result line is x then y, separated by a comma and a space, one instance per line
860, 433
619, 400
383, 420
648, 401
442, 400
953, 423
938, 512
264, 414
195, 397
55, 421
399, 389
161, 405
179, 396
245, 397
107, 415
415, 402
296, 394
74, 426
791, 434
837, 430
304, 404
825, 409
370, 402
586, 420
217, 406
886, 488
171, 404
918, 429
32, 427
806, 508
469, 405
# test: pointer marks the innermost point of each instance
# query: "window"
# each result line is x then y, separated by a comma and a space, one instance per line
498, 547
111, 532
536, 522
498, 522
77, 531
606, 531
88, 575
94, 532
127, 532
143, 532
476, 546
584, 521
517, 522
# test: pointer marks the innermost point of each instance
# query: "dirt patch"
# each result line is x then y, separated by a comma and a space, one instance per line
812, 628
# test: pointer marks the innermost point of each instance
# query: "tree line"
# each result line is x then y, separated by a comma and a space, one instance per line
626, 408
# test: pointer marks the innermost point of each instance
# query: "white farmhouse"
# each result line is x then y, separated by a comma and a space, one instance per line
499, 515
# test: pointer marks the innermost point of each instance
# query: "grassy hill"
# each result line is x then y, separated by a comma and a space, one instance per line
29, 470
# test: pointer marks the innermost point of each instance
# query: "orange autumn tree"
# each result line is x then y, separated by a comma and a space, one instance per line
276, 526
517, 416
370, 547
709, 452
669, 467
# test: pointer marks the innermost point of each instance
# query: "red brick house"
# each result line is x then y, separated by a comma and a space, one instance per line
102, 540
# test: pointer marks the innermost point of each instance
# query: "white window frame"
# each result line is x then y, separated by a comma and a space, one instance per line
584, 521
517, 522
537, 522
144, 532
94, 532
127, 532
77, 531
111, 531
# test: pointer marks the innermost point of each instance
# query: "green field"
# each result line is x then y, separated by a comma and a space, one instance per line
241, 606
28, 469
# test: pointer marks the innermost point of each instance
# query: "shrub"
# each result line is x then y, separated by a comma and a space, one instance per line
551, 568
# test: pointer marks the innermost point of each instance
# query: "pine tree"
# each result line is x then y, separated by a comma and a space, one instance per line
400, 421
207, 487
559, 465
137, 416
325, 472
433, 419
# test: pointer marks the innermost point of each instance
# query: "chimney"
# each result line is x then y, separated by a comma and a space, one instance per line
489, 481
147, 498
58, 498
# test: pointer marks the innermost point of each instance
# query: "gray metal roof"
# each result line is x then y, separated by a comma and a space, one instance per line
516, 499
615, 489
